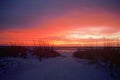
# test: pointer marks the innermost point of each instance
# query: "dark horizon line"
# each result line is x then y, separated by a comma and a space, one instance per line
57, 46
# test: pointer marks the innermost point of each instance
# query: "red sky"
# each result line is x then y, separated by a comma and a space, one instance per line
71, 27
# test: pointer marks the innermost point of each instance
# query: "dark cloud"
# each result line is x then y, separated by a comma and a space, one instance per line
21, 13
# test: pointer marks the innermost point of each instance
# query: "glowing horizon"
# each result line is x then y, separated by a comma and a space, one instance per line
64, 23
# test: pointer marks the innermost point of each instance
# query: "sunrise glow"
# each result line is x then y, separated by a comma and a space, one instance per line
71, 24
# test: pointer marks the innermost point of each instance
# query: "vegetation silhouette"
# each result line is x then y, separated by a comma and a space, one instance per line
13, 51
110, 56
44, 50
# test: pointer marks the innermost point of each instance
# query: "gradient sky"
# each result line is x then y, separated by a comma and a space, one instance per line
61, 21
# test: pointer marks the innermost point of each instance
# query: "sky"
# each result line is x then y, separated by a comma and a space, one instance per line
63, 22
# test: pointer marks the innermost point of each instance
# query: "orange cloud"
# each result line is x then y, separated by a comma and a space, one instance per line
95, 23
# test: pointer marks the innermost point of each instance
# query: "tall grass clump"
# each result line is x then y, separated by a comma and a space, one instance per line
13, 51
44, 49
106, 53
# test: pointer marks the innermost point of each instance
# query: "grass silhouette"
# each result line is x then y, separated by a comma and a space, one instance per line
44, 50
13, 51
109, 55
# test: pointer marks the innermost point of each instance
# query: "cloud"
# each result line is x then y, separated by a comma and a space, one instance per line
55, 19
24, 13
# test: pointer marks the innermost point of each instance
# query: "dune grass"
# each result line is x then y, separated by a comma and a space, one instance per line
44, 50
13, 51
109, 55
